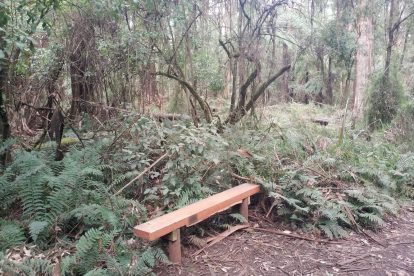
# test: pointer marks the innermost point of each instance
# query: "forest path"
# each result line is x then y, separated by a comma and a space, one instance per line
256, 253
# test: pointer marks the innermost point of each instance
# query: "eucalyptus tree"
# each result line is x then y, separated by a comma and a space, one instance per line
387, 89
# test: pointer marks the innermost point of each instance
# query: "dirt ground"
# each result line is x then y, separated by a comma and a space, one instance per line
253, 252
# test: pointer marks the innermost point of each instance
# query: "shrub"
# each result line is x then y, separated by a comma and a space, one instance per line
404, 126
384, 100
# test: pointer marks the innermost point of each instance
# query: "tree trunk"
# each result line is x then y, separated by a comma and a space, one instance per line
329, 83
286, 62
363, 60
81, 71
5, 157
406, 38
5, 131
390, 42
241, 110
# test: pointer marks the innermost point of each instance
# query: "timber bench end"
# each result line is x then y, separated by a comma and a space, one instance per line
169, 224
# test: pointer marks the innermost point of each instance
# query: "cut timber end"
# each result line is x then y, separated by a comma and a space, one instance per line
195, 212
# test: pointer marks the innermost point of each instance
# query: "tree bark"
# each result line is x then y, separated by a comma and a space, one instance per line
390, 42
363, 60
286, 62
240, 111
203, 105
329, 83
5, 130
81, 71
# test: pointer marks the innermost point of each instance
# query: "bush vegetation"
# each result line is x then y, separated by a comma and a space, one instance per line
311, 181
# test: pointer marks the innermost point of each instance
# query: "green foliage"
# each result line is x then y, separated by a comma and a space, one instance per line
385, 99
340, 42
326, 188
189, 173
26, 267
333, 189
403, 126
11, 234
147, 260
19, 20
59, 197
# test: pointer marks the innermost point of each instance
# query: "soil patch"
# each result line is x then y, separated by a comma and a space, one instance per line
252, 252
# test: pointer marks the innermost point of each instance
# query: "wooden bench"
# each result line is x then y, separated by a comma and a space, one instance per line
169, 224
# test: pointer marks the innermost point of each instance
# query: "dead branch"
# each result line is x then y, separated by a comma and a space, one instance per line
142, 173
221, 236
280, 233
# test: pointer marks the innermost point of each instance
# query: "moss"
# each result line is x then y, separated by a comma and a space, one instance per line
68, 141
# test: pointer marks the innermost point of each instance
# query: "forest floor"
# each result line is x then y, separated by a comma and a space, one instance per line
389, 251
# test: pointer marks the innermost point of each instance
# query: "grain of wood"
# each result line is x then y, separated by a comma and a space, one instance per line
195, 212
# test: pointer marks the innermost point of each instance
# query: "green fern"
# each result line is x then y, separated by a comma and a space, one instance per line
36, 228
11, 234
147, 260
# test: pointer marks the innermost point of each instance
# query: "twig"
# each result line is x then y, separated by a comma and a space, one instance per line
399, 243
355, 259
142, 173
271, 207
69, 123
221, 236
284, 271
373, 239
250, 179
293, 235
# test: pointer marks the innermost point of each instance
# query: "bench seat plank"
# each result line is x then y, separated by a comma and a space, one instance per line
195, 212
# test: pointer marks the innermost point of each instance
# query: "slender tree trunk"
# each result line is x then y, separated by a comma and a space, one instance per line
285, 81
5, 130
4, 120
363, 59
241, 110
82, 83
329, 83
390, 43
406, 38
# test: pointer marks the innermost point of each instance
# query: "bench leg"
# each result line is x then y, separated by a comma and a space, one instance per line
244, 208
174, 247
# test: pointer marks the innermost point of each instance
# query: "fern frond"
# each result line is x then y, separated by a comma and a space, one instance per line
11, 234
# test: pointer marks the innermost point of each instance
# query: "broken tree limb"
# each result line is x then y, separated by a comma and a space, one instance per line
280, 233
202, 103
321, 121
168, 116
355, 259
221, 236
142, 173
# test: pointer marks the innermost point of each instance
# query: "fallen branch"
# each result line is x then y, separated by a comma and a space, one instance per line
221, 236
293, 235
355, 259
168, 116
373, 239
142, 173
250, 179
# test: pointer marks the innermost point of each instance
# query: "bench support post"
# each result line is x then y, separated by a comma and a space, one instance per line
174, 246
244, 208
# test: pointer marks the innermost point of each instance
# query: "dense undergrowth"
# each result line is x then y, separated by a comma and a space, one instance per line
76, 212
